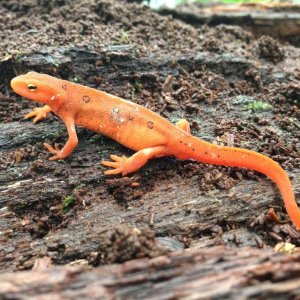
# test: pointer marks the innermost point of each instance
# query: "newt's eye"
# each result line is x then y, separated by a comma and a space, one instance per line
32, 87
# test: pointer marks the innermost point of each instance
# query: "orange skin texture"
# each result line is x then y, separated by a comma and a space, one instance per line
139, 129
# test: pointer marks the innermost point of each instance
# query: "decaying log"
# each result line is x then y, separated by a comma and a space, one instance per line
119, 63
213, 273
279, 21
175, 208
174, 229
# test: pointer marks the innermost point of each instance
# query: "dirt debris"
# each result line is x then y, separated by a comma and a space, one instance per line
270, 49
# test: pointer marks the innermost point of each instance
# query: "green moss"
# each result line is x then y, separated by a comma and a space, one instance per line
133, 97
250, 103
138, 85
66, 203
258, 106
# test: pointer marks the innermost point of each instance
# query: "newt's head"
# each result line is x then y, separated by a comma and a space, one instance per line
39, 87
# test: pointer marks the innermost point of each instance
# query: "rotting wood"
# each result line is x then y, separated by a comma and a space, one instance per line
69, 212
177, 208
213, 273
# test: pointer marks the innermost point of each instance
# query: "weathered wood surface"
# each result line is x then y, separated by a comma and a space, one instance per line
177, 208
31, 191
278, 21
215, 273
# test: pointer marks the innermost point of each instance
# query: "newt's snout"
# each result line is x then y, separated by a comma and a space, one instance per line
14, 83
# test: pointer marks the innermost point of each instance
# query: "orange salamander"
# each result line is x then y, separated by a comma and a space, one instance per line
139, 129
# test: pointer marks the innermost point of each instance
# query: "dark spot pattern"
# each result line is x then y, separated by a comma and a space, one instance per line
64, 87
130, 117
150, 124
193, 149
86, 99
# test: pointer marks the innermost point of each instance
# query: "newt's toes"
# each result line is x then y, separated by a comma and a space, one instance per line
113, 172
37, 118
116, 157
39, 114
55, 157
29, 115
50, 148
111, 164
58, 154
118, 163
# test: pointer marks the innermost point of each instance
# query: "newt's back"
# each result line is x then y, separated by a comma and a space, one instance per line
128, 123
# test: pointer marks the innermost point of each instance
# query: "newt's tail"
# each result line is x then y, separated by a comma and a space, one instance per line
197, 149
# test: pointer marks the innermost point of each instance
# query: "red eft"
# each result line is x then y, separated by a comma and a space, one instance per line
139, 129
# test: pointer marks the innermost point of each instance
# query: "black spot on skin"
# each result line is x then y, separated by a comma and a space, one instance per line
64, 87
86, 99
180, 142
205, 153
150, 124
193, 149
130, 117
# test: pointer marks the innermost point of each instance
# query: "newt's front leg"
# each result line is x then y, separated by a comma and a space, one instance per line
39, 113
123, 165
69, 146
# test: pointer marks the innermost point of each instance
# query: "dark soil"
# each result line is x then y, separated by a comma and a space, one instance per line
234, 89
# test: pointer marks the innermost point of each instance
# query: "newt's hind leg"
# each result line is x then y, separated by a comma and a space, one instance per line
184, 125
123, 165
39, 113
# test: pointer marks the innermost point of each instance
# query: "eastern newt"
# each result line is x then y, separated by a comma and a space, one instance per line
139, 129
